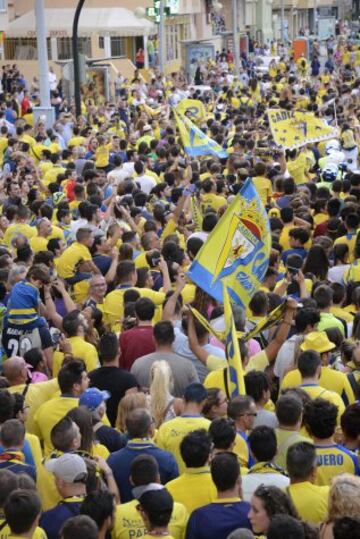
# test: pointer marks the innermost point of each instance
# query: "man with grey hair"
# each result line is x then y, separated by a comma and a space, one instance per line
97, 291
16, 274
80, 160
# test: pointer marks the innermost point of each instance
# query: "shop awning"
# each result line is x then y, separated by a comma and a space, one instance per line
115, 21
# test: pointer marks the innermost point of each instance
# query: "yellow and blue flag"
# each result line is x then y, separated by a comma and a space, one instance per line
194, 108
235, 373
237, 250
195, 142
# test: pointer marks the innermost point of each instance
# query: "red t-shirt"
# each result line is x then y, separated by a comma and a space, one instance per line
134, 343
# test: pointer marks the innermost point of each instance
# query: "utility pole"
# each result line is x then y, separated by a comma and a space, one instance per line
315, 19
162, 36
45, 109
75, 47
236, 37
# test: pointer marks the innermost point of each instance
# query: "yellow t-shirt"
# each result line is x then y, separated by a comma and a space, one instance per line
113, 306
102, 154
264, 188
216, 378
129, 524
3, 145
334, 460
18, 228
171, 433
56, 233
285, 439
52, 174
46, 487
297, 168
35, 447
315, 391
348, 139
80, 349
5, 532
48, 415
352, 274
214, 201
76, 141
284, 236
70, 258
36, 395
311, 501
193, 488
38, 243
140, 261
331, 380
241, 449
350, 241
320, 218
340, 312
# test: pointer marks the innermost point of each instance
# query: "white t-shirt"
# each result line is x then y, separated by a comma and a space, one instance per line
146, 183
250, 482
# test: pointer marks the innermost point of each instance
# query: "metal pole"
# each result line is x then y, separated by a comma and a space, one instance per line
75, 46
236, 37
162, 36
282, 5
315, 19
42, 54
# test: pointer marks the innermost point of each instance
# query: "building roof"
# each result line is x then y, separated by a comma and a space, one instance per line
115, 21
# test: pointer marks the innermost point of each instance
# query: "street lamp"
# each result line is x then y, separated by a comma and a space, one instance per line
75, 46
45, 108
236, 37
282, 5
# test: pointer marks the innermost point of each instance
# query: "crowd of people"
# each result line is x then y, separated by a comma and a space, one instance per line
116, 418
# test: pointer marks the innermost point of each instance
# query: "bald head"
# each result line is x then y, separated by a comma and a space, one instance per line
15, 370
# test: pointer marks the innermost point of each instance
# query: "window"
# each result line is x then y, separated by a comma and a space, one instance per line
101, 42
23, 48
117, 45
3, 5
175, 33
64, 45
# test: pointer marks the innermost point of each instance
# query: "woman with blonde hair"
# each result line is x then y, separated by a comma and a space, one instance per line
344, 501
131, 401
162, 404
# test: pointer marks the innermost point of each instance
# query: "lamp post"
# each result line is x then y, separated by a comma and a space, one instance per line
75, 47
162, 36
45, 108
236, 37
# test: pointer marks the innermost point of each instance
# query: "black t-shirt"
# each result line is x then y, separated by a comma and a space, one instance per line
116, 381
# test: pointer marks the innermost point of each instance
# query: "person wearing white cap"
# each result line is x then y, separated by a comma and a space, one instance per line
70, 478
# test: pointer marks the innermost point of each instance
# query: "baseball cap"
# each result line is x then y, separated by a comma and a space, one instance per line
70, 467
93, 397
146, 128
317, 341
